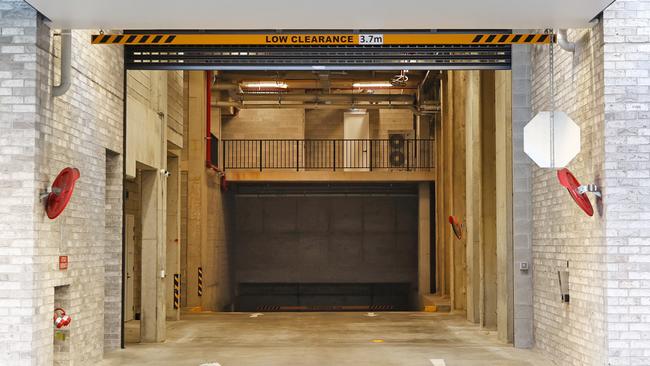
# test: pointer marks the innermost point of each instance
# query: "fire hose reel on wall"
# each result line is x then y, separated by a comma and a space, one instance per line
456, 227
60, 194
578, 192
61, 319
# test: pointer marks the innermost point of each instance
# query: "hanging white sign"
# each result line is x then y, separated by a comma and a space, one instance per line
552, 140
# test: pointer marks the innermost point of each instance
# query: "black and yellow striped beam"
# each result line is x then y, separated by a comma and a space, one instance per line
334, 39
177, 290
200, 284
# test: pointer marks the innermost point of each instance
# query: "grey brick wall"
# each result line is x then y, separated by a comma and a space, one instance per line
575, 333
40, 136
627, 180
18, 116
77, 129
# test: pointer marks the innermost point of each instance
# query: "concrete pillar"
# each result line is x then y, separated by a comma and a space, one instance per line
152, 318
424, 241
173, 249
522, 198
195, 180
504, 186
455, 186
488, 211
154, 217
473, 193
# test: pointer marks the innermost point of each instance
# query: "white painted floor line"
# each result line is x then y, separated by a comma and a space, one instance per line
371, 314
438, 362
210, 364
255, 315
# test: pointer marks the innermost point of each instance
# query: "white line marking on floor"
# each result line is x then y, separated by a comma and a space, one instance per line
438, 362
371, 314
255, 315
210, 364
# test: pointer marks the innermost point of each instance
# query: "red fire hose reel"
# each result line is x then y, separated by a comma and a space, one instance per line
61, 319
456, 226
578, 192
59, 196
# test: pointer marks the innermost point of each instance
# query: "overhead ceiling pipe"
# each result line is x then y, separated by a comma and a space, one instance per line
66, 65
309, 84
344, 106
563, 41
327, 97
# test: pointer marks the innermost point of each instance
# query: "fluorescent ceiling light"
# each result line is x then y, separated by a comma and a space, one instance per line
265, 84
372, 84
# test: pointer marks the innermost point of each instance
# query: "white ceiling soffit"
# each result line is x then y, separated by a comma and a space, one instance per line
309, 14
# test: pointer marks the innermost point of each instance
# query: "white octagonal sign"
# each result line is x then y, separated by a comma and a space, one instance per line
552, 149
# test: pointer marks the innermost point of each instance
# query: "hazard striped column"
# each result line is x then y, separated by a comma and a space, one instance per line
200, 289
177, 290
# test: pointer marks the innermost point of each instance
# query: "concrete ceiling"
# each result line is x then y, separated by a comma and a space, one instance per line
330, 14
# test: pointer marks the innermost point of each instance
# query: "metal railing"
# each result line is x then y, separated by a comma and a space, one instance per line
322, 154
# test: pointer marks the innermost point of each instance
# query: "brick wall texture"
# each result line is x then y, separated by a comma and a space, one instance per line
573, 334
626, 178
605, 88
40, 135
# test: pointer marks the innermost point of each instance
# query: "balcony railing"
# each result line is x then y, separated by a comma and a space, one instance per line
320, 154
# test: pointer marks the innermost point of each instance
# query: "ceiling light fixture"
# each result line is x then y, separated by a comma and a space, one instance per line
372, 84
265, 85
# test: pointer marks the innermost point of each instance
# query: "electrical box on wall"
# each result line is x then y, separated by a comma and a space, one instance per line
63, 262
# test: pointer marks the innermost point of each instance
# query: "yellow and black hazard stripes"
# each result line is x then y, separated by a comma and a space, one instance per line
200, 287
513, 39
133, 39
177, 290
333, 39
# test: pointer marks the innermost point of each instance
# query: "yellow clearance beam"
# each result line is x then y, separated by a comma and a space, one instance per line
334, 39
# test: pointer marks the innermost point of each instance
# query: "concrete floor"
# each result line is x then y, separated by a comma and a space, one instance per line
295, 339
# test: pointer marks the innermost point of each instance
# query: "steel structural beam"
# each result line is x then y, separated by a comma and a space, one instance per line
329, 39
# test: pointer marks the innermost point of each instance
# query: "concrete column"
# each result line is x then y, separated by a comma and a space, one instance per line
488, 211
454, 185
195, 181
473, 193
424, 241
503, 194
173, 248
154, 217
152, 318
522, 199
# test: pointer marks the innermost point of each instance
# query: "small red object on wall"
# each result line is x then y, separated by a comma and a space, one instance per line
61, 319
63, 262
568, 181
456, 226
61, 193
